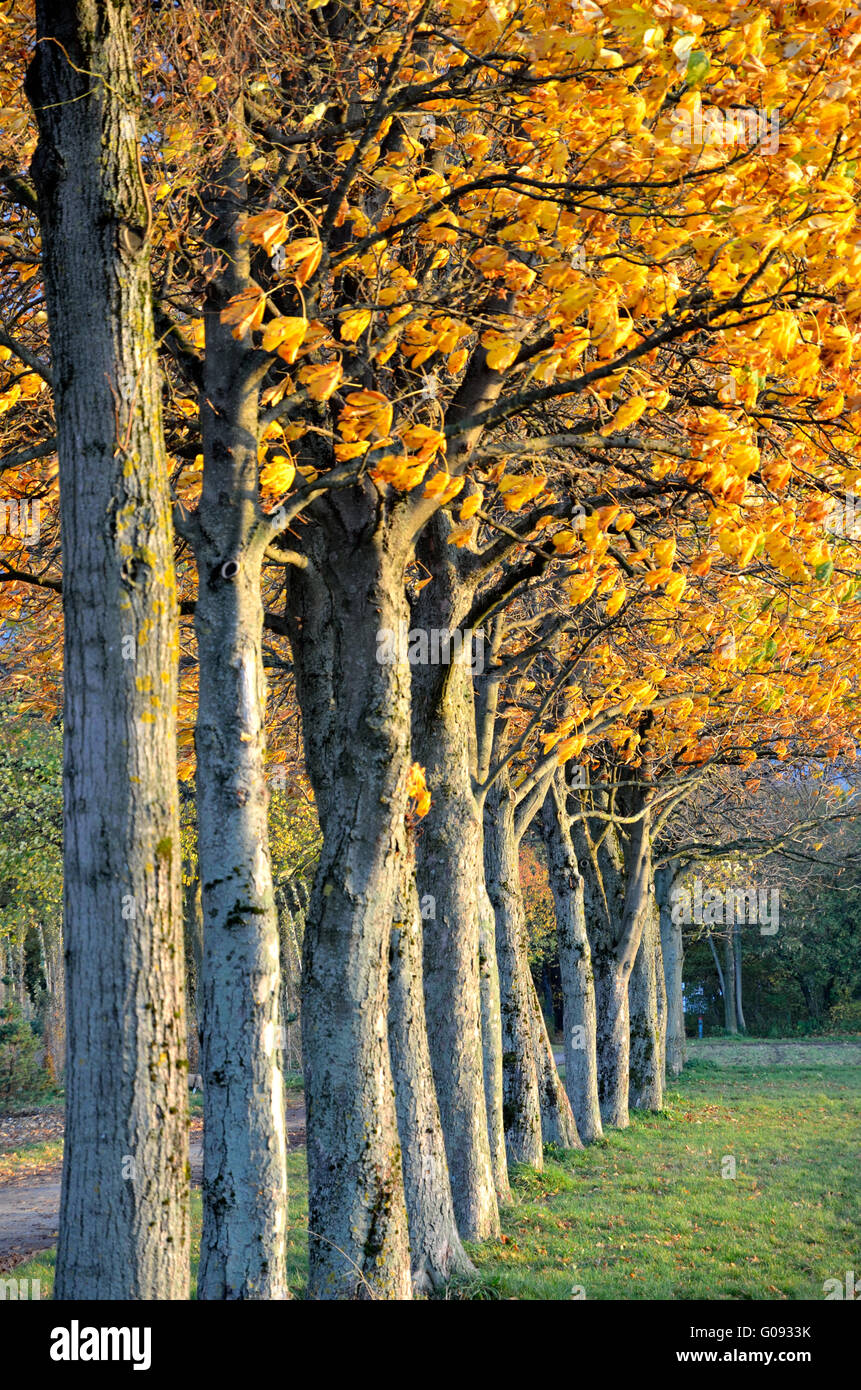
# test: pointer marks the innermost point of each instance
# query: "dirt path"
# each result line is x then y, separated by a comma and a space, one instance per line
30, 1201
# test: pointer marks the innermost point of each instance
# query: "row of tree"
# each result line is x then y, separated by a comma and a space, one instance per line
399, 325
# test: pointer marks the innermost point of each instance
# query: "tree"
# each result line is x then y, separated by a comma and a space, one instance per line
124, 1216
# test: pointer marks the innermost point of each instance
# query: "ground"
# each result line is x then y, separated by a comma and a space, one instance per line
653, 1211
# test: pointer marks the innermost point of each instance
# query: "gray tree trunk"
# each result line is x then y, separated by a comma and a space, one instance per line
575, 964
291, 932
436, 1251
356, 727
646, 1079
193, 931
124, 1231
736, 930
603, 887
450, 874
558, 1125
520, 1093
730, 1016
242, 1249
672, 951
491, 1038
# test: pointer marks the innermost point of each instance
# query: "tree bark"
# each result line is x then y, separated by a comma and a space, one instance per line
520, 1093
290, 943
558, 1125
616, 865
729, 1011
491, 1039
451, 875
672, 951
436, 1252
646, 1080
603, 885
575, 964
736, 930
356, 728
242, 1252
124, 1208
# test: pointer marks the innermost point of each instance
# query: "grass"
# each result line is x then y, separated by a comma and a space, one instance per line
647, 1213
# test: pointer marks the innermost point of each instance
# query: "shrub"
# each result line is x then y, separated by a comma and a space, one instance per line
22, 1076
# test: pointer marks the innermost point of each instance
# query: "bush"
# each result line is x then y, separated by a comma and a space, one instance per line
845, 1016
22, 1076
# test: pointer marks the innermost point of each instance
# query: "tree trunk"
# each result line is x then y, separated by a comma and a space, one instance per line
450, 876
558, 1125
193, 932
55, 1016
603, 886
436, 1251
673, 956
520, 1094
736, 930
612, 1038
290, 942
356, 726
721, 980
729, 1013
645, 1084
124, 1209
575, 965
242, 1250
491, 1039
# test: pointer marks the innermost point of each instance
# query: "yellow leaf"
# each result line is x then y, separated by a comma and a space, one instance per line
629, 412
278, 474
244, 311
284, 334
354, 324
501, 350
471, 504
321, 379
206, 84
268, 229
417, 789
443, 486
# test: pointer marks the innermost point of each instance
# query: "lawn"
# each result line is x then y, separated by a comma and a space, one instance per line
649, 1214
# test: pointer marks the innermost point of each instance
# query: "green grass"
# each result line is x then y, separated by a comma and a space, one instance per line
647, 1214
